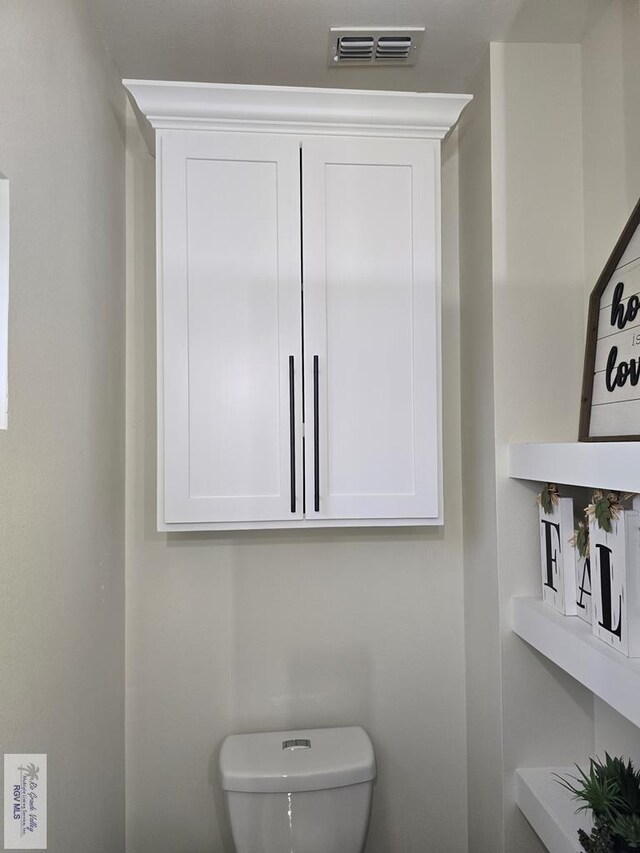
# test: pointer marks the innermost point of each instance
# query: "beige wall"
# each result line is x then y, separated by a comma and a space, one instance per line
62, 459
564, 173
611, 128
538, 348
522, 322
265, 630
268, 630
314, 629
481, 592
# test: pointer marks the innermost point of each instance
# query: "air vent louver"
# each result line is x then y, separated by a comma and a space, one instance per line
381, 46
389, 48
352, 48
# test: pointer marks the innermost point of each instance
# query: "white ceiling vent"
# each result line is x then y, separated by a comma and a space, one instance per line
379, 46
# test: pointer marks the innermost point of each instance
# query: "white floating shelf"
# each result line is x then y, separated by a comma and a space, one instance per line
607, 464
550, 809
569, 643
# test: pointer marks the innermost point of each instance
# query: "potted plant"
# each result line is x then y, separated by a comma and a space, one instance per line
611, 790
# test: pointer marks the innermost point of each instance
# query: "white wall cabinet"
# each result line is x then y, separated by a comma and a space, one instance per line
230, 318
298, 306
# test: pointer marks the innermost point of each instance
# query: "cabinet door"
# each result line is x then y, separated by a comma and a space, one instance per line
371, 329
230, 338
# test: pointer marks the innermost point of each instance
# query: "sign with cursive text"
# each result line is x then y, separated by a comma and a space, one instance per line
611, 382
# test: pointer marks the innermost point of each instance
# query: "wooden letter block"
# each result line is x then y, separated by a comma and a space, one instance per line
584, 598
558, 557
615, 579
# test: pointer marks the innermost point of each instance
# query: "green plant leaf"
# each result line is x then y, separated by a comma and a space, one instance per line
603, 514
548, 498
599, 841
611, 790
628, 828
580, 539
597, 791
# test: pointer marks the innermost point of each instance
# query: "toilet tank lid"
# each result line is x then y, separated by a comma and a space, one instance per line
307, 760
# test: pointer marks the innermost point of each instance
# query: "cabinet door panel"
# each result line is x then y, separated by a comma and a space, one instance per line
371, 269
231, 297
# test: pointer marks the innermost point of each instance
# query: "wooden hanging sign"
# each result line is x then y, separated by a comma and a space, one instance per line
610, 409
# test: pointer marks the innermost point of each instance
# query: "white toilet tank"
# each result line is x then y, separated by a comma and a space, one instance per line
299, 791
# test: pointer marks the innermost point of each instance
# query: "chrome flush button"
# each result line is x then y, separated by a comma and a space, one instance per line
296, 743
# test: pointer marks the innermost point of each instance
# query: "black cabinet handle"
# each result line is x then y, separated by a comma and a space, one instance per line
292, 434
316, 437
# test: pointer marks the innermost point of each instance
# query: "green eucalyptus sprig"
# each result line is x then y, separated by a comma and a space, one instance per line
606, 508
580, 539
548, 498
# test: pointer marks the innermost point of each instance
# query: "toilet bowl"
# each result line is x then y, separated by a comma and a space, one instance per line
299, 791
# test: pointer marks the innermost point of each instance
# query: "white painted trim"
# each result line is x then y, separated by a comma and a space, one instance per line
550, 809
300, 524
4, 302
293, 109
159, 338
569, 643
599, 464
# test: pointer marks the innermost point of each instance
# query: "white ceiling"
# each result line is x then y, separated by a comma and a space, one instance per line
285, 41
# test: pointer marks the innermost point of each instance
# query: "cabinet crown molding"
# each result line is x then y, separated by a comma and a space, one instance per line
295, 109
